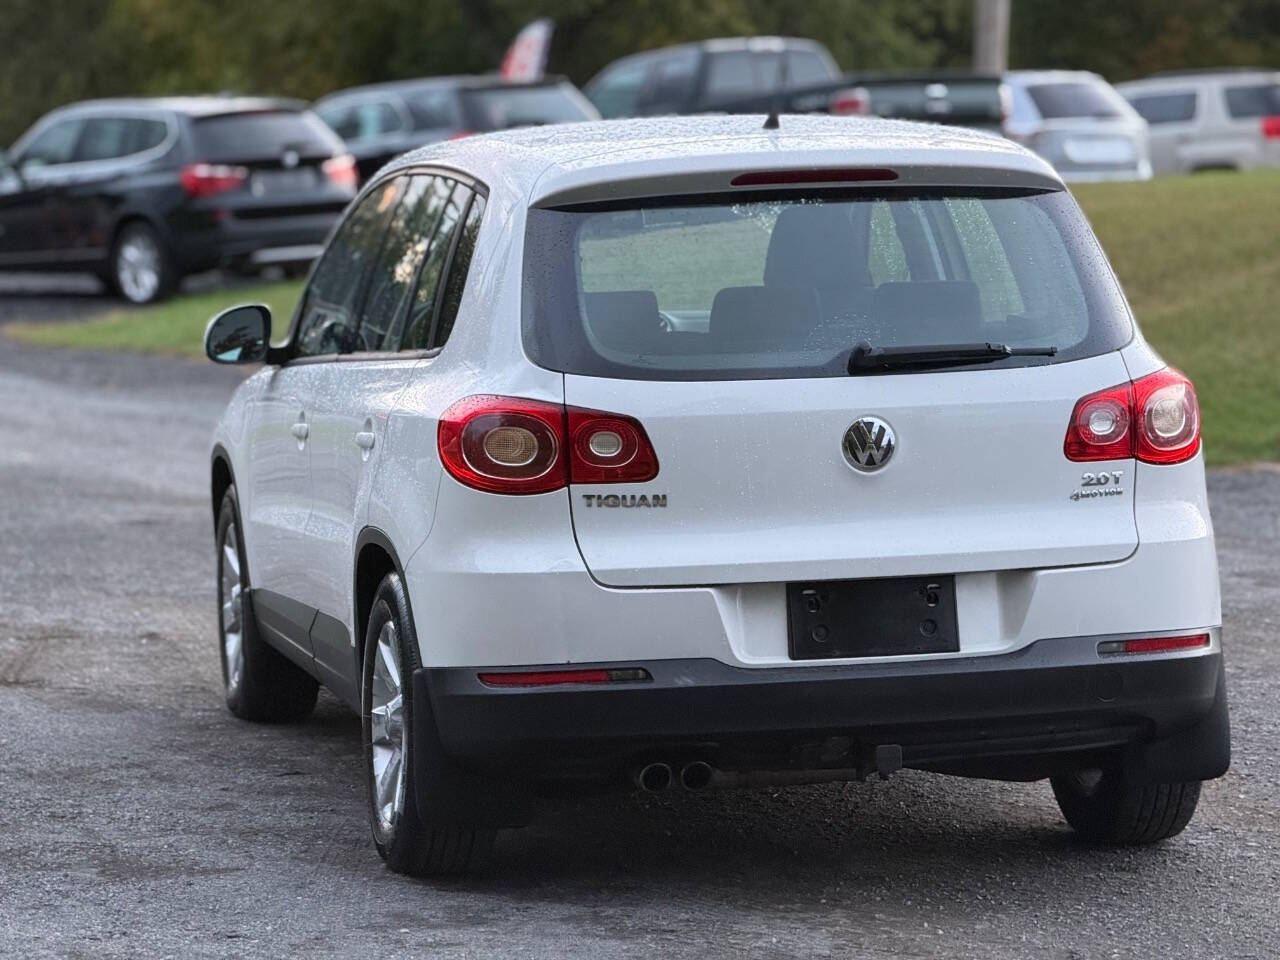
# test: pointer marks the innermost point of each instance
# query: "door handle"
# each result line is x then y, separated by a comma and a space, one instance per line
300, 430
364, 440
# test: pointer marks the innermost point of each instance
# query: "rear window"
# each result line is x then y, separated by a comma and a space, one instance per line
240, 137
1259, 100
1076, 99
1160, 108
500, 108
774, 287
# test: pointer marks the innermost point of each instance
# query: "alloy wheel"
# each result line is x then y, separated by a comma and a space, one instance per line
387, 731
138, 266
232, 614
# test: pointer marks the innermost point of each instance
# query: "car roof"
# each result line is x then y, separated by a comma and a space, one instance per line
464, 81
666, 156
195, 106
1028, 77
1186, 78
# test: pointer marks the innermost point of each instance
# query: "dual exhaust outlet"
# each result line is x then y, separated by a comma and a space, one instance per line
657, 777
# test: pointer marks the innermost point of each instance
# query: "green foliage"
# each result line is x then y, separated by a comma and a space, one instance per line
63, 50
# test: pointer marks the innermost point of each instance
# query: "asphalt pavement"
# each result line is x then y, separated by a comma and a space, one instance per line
139, 819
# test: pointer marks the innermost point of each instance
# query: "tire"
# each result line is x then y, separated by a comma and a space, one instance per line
141, 269
1104, 808
260, 682
407, 843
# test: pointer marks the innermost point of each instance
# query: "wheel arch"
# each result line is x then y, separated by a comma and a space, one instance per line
375, 557
221, 478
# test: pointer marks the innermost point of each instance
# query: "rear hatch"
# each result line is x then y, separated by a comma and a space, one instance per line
282, 162
1086, 126
726, 328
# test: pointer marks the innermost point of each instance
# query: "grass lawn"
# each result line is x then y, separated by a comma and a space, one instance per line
1199, 258
174, 327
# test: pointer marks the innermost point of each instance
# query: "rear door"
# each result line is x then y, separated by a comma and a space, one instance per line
725, 330
354, 396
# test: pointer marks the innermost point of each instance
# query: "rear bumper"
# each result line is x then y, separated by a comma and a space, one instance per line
1051, 706
252, 241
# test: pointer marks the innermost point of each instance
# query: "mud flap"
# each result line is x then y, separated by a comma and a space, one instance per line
1201, 752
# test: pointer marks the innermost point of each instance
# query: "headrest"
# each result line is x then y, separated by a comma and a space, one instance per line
927, 312
816, 245
746, 315
625, 320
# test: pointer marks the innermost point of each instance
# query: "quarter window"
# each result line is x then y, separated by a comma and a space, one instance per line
1258, 100
328, 322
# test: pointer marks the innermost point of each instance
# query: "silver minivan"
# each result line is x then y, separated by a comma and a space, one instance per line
1077, 121
1210, 119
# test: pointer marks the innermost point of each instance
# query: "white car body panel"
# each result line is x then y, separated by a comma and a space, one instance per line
502, 581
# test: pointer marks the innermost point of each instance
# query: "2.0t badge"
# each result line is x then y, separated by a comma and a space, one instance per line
869, 444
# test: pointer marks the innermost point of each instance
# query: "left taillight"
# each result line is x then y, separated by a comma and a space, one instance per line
208, 179
1155, 419
341, 170
515, 446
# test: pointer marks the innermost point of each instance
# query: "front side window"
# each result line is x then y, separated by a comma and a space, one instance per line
616, 92
1157, 108
53, 145
109, 138
781, 286
328, 321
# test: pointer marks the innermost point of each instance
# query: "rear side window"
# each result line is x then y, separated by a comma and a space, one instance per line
432, 109
360, 121
731, 73
616, 92
787, 287
449, 200
500, 108
404, 247
1157, 108
1075, 99
108, 138
239, 137
1257, 100
670, 86
328, 320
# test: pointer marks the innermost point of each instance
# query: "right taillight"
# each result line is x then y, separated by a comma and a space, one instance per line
1271, 127
1155, 419
516, 446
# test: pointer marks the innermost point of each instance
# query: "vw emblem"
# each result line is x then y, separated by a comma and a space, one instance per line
290, 159
869, 444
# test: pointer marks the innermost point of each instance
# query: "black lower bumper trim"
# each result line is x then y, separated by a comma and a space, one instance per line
1018, 713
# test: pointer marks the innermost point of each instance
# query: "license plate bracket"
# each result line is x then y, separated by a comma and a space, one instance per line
829, 619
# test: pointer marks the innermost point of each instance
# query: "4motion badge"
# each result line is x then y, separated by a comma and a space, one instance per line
1096, 485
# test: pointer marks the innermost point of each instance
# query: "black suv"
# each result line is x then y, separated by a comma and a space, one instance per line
143, 191
384, 120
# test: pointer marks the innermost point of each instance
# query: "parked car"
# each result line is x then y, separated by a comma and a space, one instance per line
1210, 119
143, 191
704, 77
385, 120
1078, 122
658, 452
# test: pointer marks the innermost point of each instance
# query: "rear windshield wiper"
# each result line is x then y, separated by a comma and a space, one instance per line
867, 358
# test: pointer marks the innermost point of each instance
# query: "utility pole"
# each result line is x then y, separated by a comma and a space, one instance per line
990, 36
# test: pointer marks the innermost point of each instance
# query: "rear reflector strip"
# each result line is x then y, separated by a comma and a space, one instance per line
765, 178
1153, 644
551, 678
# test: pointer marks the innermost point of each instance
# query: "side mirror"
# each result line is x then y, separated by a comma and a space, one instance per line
239, 334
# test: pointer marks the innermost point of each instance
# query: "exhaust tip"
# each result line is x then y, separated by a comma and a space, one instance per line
654, 777
696, 775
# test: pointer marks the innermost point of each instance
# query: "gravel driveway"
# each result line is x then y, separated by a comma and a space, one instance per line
137, 818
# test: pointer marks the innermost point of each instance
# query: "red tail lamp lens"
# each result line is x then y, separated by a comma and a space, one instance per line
1155, 419
342, 170
770, 178
551, 678
207, 179
1153, 644
511, 445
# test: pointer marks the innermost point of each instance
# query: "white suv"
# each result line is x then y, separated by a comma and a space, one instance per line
687, 453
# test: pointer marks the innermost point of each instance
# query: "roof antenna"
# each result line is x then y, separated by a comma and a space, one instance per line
779, 89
